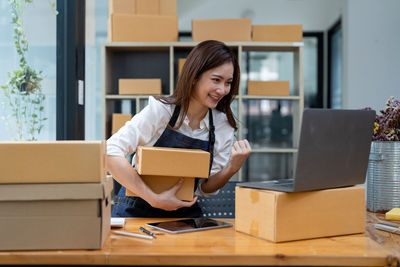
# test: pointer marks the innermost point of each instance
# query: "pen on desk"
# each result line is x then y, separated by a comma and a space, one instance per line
132, 234
147, 232
387, 228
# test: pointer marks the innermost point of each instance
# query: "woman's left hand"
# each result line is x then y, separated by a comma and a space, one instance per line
240, 151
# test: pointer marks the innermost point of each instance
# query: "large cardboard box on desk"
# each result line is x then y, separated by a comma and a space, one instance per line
221, 29
52, 162
55, 216
142, 28
279, 216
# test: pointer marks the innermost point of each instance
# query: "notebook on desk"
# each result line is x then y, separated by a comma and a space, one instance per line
333, 151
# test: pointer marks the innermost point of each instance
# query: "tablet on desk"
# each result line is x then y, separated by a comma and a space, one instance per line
188, 225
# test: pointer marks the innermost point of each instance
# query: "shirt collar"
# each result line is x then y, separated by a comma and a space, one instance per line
205, 122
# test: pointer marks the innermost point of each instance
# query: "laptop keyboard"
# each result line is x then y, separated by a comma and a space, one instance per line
283, 182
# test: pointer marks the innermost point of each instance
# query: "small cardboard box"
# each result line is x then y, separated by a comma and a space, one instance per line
121, 7
55, 216
147, 7
119, 120
277, 33
143, 28
168, 7
181, 62
166, 161
278, 216
139, 86
270, 88
52, 162
162, 183
221, 29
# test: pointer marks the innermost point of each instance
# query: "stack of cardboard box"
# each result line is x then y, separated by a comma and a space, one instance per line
54, 195
161, 168
143, 21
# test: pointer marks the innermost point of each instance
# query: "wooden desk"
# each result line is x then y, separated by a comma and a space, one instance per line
224, 247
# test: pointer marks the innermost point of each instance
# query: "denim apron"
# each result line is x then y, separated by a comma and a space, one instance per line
125, 206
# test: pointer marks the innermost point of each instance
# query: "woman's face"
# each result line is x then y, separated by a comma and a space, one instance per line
213, 85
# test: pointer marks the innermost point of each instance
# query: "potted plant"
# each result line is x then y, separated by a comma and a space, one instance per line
383, 175
23, 91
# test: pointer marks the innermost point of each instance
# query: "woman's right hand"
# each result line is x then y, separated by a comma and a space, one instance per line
167, 200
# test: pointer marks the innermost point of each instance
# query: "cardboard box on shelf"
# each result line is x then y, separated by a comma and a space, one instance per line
121, 7
119, 120
139, 86
147, 7
168, 7
277, 33
221, 29
55, 216
143, 28
162, 183
181, 62
278, 216
270, 88
167, 161
52, 162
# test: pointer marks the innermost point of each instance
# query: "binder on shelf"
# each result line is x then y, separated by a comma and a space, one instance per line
181, 62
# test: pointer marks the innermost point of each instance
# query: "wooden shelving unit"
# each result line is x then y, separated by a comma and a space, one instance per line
160, 60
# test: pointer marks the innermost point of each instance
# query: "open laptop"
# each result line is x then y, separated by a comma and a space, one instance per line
333, 151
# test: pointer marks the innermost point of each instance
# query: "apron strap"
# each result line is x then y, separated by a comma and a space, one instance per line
211, 138
175, 116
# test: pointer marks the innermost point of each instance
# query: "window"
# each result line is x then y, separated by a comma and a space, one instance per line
335, 66
39, 24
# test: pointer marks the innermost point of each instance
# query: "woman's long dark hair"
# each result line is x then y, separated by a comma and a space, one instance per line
203, 57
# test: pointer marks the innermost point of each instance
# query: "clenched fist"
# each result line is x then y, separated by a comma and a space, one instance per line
240, 151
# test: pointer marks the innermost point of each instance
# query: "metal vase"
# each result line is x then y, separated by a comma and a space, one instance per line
383, 176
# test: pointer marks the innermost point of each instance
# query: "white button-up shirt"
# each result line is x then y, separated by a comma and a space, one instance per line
146, 127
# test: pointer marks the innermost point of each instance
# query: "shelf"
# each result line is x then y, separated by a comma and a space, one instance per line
163, 46
126, 97
256, 97
262, 97
274, 150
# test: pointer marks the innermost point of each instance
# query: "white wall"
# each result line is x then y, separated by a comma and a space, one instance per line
315, 15
372, 53
371, 62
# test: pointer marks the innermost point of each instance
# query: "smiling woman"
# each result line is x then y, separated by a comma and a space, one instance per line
197, 115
